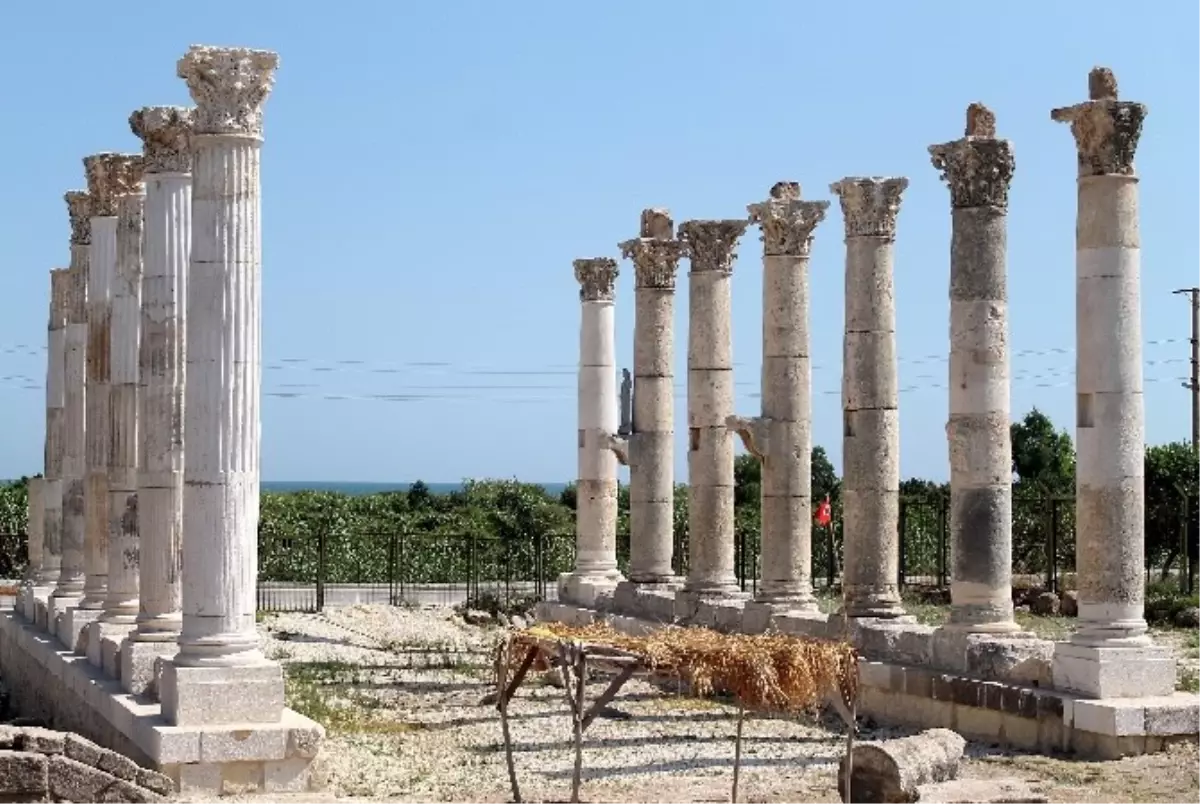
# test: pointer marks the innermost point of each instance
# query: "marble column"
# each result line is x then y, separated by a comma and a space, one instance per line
166, 246
655, 254
711, 246
64, 603
121, 601
596, 487
222, 426
978, 169
109, 176
870, 400
53, 487
34, 535
1109, 654
782, 436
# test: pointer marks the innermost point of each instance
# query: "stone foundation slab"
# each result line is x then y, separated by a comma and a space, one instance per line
66, 691
1105, 672
201, 696
71, 624
137, 665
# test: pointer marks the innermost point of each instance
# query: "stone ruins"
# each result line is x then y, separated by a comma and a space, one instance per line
135, 625
1106, 690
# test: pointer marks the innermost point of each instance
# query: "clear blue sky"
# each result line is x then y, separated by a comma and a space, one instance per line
431, 169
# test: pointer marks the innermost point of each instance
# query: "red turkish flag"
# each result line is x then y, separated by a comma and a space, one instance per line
824, 513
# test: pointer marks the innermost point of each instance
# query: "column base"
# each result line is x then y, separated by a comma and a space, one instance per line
709, 607
103, 642
652, 601
589, 590
137, 664
198, 696
69, 621
1113, 672
757, 614
30, 597
871, 602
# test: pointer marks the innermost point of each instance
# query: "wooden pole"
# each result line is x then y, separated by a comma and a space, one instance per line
580, 681
737, 751
850, 729
503, 657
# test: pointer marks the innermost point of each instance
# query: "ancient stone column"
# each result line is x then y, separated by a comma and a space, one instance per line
121, 602
782, 436
109, 176
64, 603
870, 400
1109, 655
34, 538
655, 255
222, 429
596, 488
711, 246
978, 169
166, 247
52, 493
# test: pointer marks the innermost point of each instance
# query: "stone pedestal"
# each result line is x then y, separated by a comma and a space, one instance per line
782, 436
1109, 654
978, 169
655, 255
219, 660
69, 590
711, 247
167, 246
870, 399
596, 488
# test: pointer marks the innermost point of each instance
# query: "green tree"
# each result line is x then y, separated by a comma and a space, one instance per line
1043, 457
1171, 477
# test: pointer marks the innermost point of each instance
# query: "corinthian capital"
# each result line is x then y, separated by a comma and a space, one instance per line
870, 205
979, 167
596, 278
110, 176
656, 252
1106, 130
164, 132
712, 245
79, 208
786, 222
229, 86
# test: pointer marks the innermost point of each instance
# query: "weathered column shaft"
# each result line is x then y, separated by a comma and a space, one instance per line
596, 488
52, 494
712, 248
167, 246
222, 424
655, 255
71, 575
35, 529
785, 426
121, 603
978, 169
870, 399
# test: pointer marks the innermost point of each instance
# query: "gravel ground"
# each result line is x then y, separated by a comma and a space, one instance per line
400, 691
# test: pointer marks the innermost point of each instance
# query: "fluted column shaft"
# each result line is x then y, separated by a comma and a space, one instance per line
655, 255
52, 488
102, 261
168, 227
35, 529
596, 488
121, 602
978, 169
870, 399
71, 575
711, 247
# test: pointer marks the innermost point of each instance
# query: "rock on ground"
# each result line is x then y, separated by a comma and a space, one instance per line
892, 770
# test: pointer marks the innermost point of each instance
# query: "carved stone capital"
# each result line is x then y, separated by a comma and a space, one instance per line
164, 132
596, 277
786, 222
712, 245
229, 86
870, 205
110, 176
979, 167
656, 252
1106, 130
79, 208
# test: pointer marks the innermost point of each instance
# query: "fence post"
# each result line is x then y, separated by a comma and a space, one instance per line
321, 568
902, 527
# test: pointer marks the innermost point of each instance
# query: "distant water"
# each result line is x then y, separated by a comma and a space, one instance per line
359, 489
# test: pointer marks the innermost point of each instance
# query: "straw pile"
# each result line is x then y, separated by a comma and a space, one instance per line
774, 672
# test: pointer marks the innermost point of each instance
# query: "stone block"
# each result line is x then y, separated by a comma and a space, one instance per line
74, 781
721, 614
1113, 717
656, 603
1103, 672
286, 776
1173, 715
902, 641
82, 750
304, 740
137, 665
155, 782
222, 695
1013, 660
195, 777
1021, 733
223, 745
983, 791
807, 624
110, 653
70, 625
24, 774
40, 741
587, 591
979, 724
875, 674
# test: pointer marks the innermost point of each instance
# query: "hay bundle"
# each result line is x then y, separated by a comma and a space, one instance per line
774, 672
